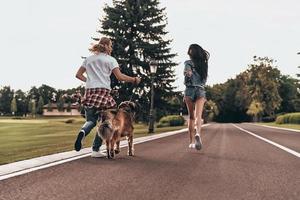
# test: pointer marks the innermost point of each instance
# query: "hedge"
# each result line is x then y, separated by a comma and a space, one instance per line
171, 120
290, 118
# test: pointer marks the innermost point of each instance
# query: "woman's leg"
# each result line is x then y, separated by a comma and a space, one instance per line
199, 104
191, 122
91, 117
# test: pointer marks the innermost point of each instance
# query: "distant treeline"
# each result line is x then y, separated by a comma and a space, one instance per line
258, 94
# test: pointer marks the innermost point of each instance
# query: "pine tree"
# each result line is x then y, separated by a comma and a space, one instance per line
32, 107
60, 104
40, 105
13, 106
137, 29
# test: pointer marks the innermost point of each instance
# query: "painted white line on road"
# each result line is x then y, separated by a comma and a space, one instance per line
279, 128
295, 153
34, 164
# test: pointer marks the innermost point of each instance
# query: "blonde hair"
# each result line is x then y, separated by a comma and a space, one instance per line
103, 46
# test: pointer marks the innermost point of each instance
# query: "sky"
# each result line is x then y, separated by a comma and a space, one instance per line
42, 41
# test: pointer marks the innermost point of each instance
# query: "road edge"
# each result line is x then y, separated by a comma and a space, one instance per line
26, 166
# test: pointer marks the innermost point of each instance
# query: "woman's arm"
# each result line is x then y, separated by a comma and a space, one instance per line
122, 77
80, 73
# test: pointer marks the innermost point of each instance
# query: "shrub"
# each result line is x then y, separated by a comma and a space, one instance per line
290, 118
268, 119
69, 121
171, 120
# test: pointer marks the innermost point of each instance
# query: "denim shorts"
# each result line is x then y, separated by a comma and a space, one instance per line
194, 92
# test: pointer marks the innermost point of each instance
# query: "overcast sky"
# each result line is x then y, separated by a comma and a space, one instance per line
42, 41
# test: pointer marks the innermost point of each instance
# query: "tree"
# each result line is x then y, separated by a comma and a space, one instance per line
40, 106
263, 81
21, 102
298, 75
46, 92
69, 107
33, 93
137, 29
6, 96
13, 106
255, 110
210, 111
60, 104
32, 107
289, 94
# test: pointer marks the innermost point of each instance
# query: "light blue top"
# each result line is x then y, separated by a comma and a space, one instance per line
98, 69
191, 76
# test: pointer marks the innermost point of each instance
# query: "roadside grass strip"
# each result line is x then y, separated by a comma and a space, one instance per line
295, 153
276, 127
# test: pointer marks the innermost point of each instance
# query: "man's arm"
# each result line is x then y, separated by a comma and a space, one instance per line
80, 73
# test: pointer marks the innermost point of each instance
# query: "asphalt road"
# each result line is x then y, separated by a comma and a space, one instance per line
231, 165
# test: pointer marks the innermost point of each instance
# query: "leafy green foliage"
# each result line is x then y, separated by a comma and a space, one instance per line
291, 118
13, 106
137, 29
171, 120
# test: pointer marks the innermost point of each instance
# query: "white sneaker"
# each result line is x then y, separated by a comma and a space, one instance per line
97, 154
198, 143
192, 146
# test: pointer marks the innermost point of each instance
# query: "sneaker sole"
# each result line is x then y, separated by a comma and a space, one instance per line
78, 143
198, 144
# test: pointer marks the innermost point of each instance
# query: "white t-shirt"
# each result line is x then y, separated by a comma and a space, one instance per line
98, 69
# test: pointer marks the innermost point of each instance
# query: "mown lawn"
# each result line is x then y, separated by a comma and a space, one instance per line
27, 138
291, 126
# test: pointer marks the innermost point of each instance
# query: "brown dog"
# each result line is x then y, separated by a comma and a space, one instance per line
106, 131
118, 124
123, 125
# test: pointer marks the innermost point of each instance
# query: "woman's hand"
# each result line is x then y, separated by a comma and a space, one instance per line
189, 73
137, 80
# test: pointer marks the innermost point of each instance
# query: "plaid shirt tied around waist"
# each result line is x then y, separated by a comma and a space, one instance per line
99, 98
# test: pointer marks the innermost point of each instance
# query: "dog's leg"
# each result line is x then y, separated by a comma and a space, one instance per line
117, 151
112, 145
130, 145
108, 149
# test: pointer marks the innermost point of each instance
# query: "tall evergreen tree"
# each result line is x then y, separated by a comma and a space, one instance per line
32, 107
40, 106
21, 102
13, 106
60, 104
137, 29
6, 96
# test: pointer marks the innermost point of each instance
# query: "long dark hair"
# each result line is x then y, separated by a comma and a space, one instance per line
199, 57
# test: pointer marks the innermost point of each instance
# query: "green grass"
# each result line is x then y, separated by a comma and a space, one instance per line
27, 138
291, 126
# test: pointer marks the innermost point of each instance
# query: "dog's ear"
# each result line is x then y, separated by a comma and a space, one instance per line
114, 111
132, 106
121, 105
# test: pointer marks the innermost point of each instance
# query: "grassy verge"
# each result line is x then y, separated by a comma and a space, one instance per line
28, 138
291, 126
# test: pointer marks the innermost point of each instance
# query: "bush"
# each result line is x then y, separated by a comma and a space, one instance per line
268, 119
69, 121
290, 118
171, 120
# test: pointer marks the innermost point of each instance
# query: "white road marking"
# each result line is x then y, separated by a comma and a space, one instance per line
295, 153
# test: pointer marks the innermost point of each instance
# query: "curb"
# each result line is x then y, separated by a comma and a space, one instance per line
22, 167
